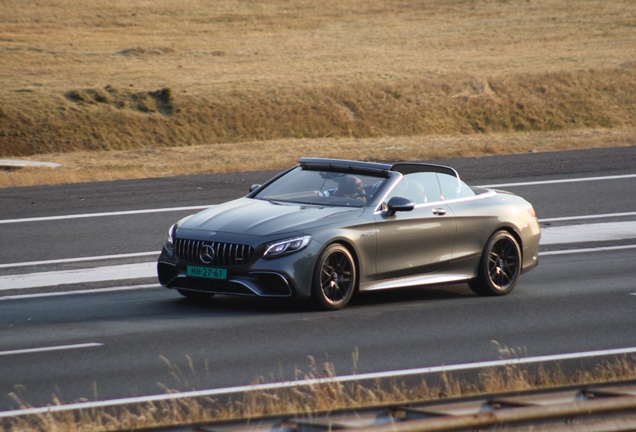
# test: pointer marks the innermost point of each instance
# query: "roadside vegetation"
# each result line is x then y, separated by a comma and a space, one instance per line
147, 89
308, 400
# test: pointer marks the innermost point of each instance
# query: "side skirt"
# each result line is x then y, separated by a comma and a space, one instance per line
414, 281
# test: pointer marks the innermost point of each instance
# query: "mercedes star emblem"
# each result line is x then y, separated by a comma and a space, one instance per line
206, 254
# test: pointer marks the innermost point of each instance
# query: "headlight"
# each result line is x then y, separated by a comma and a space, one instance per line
170, 237
285, 247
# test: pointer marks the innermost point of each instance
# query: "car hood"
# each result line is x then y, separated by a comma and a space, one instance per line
262, 218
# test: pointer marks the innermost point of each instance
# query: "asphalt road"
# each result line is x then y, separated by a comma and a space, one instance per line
109, 345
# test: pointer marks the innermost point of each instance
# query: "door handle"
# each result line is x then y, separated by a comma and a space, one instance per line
439, 211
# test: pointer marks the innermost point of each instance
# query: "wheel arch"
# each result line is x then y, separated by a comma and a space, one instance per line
505, 228
514, 233
335, 280
347, 244
510, 230
491, 272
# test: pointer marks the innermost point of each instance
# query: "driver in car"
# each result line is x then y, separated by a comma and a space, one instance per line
351, 187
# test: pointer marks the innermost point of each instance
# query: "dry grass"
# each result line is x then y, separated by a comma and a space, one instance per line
324, 397
202, 47
152, 162
255, 85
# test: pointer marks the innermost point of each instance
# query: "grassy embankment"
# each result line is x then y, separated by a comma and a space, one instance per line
142, 89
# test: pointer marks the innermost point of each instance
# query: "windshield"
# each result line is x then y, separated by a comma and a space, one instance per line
323, 188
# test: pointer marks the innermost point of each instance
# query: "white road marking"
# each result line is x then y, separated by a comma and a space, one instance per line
588, 233
549, 236
145, 254
587, 250
90, 215
155, 253
596, 216
201, 207
148, 270
572, 180
81, 259
51, 348
90, 291
66, 277
315, 381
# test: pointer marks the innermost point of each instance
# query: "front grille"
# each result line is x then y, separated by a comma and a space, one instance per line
225, 254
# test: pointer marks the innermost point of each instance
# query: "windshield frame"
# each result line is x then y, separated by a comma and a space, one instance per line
322, 185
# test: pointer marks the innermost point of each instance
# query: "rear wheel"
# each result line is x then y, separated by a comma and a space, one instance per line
335, 278
195, 295
500, 266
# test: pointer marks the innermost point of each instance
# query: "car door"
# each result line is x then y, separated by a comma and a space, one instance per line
475, 215
419, 241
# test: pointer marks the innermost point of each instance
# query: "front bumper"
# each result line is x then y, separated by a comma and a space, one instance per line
261, 284
288, 276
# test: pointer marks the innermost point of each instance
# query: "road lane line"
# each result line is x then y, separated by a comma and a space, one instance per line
156, 253
51, 348
145, 273
597, 216
68, 277
316, 381
91, 215
201, 207
89, 291
148, 269
572, 180
607, 231
81, 259
587, 250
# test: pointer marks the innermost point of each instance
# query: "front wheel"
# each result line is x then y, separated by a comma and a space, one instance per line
500, 266
334, 279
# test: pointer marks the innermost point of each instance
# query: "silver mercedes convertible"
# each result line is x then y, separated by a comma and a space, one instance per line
327, 229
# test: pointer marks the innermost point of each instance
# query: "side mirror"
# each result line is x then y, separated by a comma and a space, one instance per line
254, 187
397, 204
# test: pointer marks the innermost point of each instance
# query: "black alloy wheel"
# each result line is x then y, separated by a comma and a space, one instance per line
500, 266
335, 278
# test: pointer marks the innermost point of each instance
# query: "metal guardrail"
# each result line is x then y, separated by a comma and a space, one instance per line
591, 408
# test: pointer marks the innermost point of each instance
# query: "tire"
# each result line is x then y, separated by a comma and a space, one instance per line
499, 267
335, 278
195, 295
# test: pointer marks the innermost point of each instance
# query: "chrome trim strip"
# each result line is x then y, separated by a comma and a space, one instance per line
488, 194
413, 281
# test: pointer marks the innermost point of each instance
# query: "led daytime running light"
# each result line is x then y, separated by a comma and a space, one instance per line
286, 246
